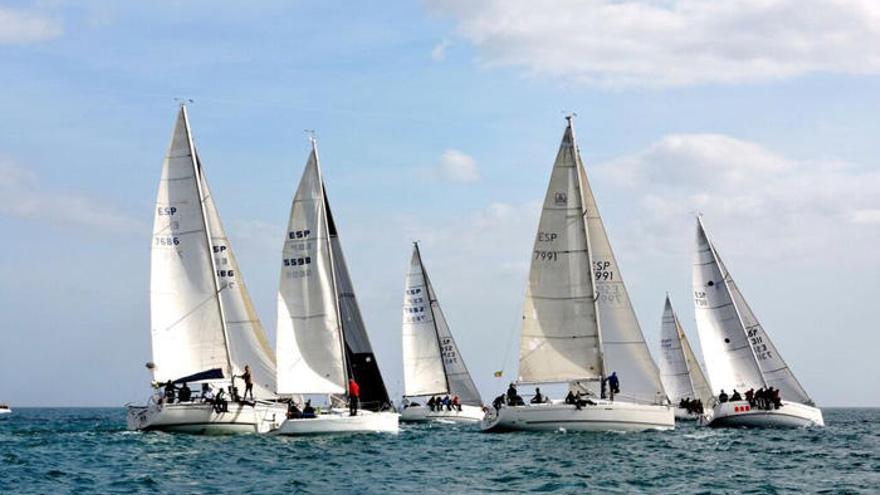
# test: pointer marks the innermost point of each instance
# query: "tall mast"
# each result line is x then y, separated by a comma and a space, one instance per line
433, 316
577, 159
198, 177
348, 372
724, 276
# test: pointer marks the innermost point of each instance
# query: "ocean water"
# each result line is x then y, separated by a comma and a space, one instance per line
53, 451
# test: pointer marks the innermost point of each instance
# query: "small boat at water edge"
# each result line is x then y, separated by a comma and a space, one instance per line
432, 364
204, 328
321, 339
682, 377
739, 353
578, 321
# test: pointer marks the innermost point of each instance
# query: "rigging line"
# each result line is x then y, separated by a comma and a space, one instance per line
510, 336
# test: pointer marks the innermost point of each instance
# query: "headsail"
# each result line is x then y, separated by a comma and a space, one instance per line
248, 344
432, 362
623, 343
308, 337
560, 331
187, 329
679, 370
738, 352
358, 351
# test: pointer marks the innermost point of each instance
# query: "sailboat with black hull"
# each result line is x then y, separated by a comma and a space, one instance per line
578, 322
739, 353
680, 371
321, 340
432, 364
204, 327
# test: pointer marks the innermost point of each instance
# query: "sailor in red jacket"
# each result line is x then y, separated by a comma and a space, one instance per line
354, 394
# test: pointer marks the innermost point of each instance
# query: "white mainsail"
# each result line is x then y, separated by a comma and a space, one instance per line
432, 362
187, 327
679, 369
739, 353
310, 354
248, 344
560, 331
423, 372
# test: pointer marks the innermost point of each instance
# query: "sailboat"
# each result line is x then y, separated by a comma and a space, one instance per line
204, 327
432, 365
5, 409
321, 339
578, 322
738, 351
680, 371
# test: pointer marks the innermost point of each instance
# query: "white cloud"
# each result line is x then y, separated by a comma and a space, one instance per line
458, 167
781, 208
671, 42
17, 26
22, 196
438, 53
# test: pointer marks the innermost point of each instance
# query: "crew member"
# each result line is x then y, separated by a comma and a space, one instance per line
354, 396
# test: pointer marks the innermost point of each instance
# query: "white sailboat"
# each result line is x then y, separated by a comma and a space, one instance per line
680, 371
738, 352
578, 322
432, 365
204, 327
320, 338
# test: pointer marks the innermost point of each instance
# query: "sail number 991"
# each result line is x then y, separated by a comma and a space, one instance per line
547, 255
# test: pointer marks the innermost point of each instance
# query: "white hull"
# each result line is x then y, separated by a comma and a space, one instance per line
421, 414
339, 421
5, 410
200, 418
740, 414
605, 416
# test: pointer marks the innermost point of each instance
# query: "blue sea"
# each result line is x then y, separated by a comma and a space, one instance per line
73, 450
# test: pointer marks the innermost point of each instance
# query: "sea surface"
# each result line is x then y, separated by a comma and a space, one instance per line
73, 450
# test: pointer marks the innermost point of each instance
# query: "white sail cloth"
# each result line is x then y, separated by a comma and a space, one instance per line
199, 302
578, 322
739, 354
423, 372
679, 370
560, 333
309, 335
432, 361
185, 318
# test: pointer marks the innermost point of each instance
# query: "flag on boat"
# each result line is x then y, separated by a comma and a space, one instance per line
498, 374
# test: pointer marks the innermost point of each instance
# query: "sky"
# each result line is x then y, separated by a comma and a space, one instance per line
438, 121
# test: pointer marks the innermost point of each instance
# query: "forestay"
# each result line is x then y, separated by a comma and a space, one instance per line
248, 344
185, 318
773, 369
623, 343
308, 337
560, 333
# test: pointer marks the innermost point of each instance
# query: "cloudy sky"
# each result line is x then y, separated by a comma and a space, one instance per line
438, 121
